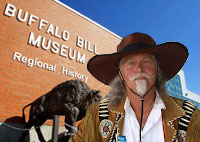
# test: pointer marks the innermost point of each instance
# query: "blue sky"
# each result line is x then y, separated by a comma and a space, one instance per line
164, 20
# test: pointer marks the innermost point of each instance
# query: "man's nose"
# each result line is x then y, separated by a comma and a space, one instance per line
139, 67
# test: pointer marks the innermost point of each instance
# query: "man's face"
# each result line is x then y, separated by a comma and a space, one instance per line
139, 71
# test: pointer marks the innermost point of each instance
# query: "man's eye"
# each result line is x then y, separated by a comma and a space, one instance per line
146, 61
131, 62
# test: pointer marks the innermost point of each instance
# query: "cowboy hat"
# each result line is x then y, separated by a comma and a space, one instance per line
171, 57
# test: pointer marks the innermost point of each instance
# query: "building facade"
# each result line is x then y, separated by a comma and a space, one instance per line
176, 87
43, 44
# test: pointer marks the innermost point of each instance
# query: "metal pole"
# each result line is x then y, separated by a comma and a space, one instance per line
55, 128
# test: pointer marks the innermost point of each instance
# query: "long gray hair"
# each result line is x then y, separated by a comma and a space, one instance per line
117, 88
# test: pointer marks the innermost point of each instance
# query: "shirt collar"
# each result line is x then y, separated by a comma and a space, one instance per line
158, 104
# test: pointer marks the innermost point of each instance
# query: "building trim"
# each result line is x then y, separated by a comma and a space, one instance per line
187, 93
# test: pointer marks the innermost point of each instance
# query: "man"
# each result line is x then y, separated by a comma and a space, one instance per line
137, 105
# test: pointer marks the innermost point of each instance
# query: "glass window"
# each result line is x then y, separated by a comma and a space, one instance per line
174, 89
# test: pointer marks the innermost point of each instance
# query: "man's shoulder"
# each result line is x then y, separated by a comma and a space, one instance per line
195, 117
196, 112
94, 106
181, 101
177, 100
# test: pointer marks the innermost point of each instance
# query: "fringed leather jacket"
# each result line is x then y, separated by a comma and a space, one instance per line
175, 118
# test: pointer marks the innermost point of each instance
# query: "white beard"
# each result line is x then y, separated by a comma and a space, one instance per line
141, 87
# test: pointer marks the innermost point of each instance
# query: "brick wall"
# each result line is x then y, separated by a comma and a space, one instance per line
21, 84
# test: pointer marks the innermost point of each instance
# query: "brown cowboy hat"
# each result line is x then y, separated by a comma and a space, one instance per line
171, 56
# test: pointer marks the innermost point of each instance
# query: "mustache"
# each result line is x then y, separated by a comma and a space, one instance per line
139, 75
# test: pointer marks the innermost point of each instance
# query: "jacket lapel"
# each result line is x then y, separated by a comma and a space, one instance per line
172, 112
117, 115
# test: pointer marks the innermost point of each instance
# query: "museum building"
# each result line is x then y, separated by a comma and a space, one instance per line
43, 44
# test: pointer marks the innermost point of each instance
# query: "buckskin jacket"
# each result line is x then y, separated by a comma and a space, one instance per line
90, 129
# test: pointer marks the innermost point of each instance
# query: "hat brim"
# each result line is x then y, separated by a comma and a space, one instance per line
171, 56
